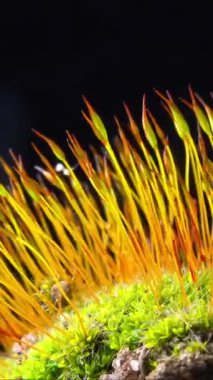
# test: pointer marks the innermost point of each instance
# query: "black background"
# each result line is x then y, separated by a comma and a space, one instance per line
54, 52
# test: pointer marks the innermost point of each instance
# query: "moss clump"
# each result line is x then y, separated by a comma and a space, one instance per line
126, 316
141, 220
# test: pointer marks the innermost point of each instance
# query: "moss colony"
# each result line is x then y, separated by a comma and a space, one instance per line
120, 267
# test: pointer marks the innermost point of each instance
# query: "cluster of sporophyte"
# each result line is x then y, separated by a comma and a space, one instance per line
138, 220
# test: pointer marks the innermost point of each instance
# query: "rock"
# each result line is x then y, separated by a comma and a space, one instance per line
128, 365
131, 365
186, 367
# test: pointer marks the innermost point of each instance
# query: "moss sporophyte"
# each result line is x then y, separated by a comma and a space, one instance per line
125, 262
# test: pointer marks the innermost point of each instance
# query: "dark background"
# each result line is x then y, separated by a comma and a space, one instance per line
53, 53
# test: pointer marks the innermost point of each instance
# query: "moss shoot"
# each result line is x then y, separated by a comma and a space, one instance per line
126, 316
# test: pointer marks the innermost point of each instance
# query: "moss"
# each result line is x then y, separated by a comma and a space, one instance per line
133, 244
126, 316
